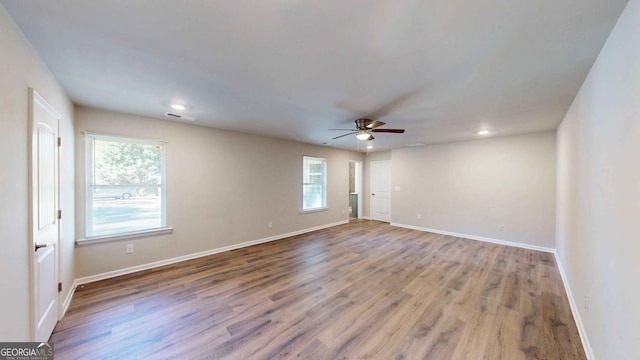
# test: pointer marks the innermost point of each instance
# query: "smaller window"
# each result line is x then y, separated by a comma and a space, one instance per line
314, 183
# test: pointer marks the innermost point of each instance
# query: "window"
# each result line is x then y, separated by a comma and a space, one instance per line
314, 184
125, 183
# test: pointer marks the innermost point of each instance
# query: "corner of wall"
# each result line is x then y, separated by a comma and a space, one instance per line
574, 308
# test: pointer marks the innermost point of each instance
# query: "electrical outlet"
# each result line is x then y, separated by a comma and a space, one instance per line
270, 224
344, 212
419, 216
586, 303
129, 249
501, 228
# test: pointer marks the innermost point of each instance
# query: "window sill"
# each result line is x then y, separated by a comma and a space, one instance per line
125, 236
310, 211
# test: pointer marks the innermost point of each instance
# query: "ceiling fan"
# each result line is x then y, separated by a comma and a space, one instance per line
364, 128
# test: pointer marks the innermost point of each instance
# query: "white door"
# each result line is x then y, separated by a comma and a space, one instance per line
44, 216
380, 186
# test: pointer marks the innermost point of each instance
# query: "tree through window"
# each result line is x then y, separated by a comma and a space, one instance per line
125, 185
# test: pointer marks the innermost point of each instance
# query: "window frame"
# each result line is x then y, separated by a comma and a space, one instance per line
324, 205
89, 138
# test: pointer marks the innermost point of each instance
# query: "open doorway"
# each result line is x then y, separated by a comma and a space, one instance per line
355, 189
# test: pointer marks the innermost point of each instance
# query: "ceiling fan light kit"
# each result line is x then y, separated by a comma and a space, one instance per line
364, 135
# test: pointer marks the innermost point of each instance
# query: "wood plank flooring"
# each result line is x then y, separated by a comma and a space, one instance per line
365, 290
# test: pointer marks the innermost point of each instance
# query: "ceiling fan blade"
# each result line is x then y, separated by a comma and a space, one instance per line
397, 102
370, 137
347, 134
375, 124
395, 131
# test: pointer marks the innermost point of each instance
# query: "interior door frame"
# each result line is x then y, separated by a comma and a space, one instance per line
371, 212
359, 185
35, 98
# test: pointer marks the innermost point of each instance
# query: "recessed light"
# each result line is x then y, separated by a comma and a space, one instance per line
177, 106
483, 132
369, 146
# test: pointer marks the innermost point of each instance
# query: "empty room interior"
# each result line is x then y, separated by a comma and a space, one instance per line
321, 180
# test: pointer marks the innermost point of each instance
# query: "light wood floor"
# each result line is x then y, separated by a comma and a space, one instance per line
365, 290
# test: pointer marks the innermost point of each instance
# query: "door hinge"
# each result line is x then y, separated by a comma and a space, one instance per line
59, 141
59, 286
59, 214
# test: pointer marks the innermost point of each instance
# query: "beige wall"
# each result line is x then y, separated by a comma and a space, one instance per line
474, 187
599, 194
222, 189
20, 68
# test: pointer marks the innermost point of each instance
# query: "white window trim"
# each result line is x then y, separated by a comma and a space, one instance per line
326, 187
88, 173
125, 236
314, 210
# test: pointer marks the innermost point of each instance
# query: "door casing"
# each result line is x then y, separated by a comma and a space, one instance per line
44, 227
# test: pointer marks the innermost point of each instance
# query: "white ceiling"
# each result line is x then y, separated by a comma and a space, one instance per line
291, 69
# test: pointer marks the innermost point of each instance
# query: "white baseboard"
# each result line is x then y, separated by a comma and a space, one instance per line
67, 299
574, 310
478, 238
129, 270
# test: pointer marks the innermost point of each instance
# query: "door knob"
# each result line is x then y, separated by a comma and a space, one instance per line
40, 246
373, 194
